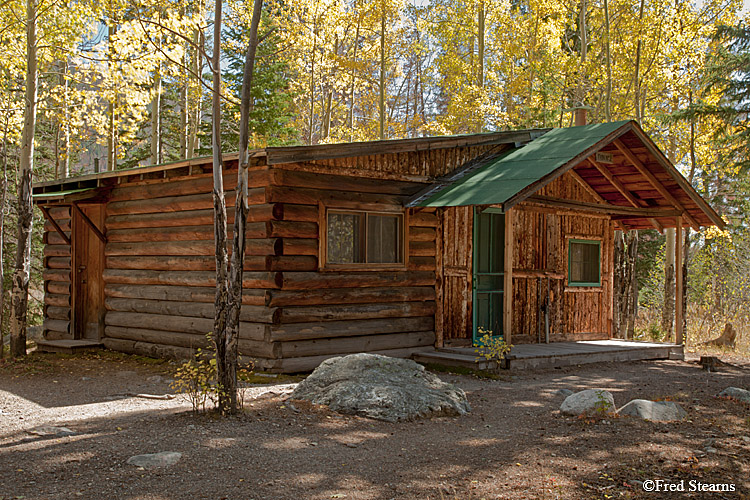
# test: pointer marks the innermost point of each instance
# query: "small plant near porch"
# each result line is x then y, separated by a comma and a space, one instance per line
490, 348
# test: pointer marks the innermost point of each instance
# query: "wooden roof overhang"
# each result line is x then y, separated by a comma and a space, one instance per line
616, 163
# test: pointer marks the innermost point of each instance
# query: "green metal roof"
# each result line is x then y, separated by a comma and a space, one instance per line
503, 177
58, 194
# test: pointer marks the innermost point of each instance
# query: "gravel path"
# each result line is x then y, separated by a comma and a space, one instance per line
514, 445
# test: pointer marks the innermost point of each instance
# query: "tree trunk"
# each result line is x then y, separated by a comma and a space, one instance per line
381, 104
354, 79
608, 95
227, 368
156, 118
625, 284
221, 301
112, 105
667, 314
481, 18
637, 76
2, 235
195, 91
20, 291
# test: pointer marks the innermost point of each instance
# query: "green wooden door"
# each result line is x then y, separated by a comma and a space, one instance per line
489, 264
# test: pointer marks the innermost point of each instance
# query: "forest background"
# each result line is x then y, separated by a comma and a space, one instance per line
123, 84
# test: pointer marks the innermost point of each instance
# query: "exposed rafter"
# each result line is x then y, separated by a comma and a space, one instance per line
623, 191
655, 182
590, 190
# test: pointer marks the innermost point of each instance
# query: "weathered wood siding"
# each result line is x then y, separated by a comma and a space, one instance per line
541, 237
57, 276
454, 274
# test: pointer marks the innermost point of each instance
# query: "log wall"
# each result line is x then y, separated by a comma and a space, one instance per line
57, 276
325, 312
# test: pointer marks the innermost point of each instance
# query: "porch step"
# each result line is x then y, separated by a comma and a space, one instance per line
67, 346
446, 357
555, 360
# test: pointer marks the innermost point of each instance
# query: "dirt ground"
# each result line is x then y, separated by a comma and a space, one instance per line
513, 445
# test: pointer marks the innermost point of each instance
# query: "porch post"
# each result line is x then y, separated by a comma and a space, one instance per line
678, 312
508, 281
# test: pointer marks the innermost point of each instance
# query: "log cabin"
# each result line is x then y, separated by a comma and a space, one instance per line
392, 247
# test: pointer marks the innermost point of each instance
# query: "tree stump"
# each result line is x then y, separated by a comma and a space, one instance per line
727, 339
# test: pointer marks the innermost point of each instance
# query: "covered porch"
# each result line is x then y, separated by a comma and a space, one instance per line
547, 213
555, 354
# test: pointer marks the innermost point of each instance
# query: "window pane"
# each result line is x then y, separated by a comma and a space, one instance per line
384, 239
345, 245
584, 262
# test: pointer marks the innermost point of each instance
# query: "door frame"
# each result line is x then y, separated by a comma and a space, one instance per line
474, 274
84, 232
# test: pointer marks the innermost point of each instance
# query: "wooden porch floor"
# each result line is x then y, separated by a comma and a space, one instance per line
556, 354
67, 346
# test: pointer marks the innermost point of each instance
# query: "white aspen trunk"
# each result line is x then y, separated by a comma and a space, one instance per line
22, 271
156, 118
608, 94
381, 106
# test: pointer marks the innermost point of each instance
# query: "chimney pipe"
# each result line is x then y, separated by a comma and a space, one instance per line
580, 116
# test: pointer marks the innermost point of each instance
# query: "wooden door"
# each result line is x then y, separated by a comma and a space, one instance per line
454, 279
88, 264
488, 273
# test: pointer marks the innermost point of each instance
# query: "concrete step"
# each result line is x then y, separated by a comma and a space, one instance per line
67, 346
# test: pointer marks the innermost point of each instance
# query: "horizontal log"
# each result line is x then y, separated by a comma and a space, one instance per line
56, 312
55, 238
56, 251
193, 185
59, 325
148, 349
55, 335
177, 233
423, 219
57, 263
422, 234
200, 326
59, 213
188, 340
302, 213
266, 246
350, 296
330, 329
179, 203
333, 197
57, 300
185, 278
167, 219
366, 343
297, 246
63, 223
422, 248
422, 264
181, 293
57, 287
200, 263
309, 363
356, 312
302, 281
356, 184
56, 275
291, 263
288, 229
252, 314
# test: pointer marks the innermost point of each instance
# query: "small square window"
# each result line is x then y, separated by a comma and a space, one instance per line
364, 238
584, 263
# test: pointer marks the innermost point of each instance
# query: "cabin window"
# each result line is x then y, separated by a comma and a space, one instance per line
584, 263
355, 237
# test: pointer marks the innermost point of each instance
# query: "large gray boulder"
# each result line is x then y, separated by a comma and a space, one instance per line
588, 402
736, 393
382, 388
656, 411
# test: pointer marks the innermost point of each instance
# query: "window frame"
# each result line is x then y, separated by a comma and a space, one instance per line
579, 284
324, 265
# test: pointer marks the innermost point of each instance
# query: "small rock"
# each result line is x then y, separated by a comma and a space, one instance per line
656, 411
636, 483
563, 392
161, 459
351, 445
736, 393
710, 449
155, 379
588, 402
85, 378
50, 430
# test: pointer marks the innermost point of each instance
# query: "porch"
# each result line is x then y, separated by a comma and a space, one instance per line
556, 354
